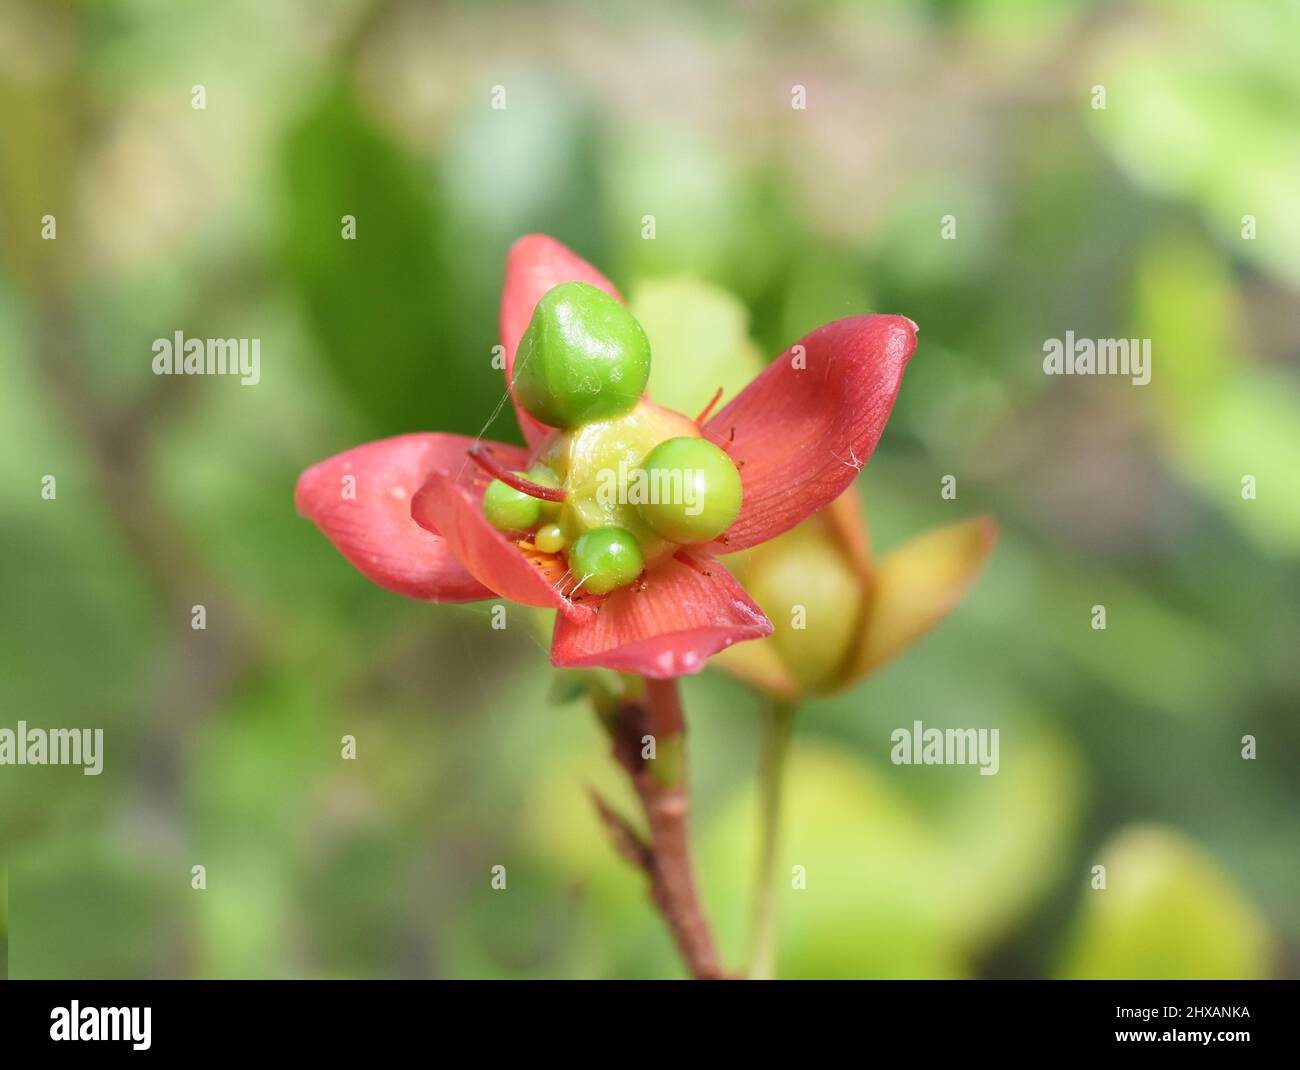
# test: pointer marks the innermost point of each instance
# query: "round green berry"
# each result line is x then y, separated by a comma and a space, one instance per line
508, 509
583, 357
692, 490
550, 539
606, 558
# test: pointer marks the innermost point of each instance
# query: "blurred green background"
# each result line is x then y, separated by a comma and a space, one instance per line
1120, 747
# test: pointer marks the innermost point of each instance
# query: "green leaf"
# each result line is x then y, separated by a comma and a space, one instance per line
410, 349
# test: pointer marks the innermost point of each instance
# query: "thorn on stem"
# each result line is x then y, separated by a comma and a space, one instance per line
627, 841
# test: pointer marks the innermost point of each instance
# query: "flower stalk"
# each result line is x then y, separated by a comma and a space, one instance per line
661, 785
777, 733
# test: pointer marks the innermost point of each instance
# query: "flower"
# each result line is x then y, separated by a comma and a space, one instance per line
407, 512
841, 613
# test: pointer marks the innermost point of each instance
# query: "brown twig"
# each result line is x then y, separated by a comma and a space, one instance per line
660, 783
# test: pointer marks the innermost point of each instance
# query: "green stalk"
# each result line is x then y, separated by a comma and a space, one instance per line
777, 731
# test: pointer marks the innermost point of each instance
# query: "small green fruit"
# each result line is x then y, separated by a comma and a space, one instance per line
692, 490
583, 357
606, 558
508, 509
543, 476
550, 539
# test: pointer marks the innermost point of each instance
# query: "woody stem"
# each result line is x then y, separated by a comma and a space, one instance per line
661, 784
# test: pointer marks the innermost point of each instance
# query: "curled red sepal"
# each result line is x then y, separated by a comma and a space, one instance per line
497, 470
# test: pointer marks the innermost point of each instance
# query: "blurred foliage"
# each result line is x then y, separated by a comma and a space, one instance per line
1169, 914
379, 305
700, 339
4, 923
1120, 747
